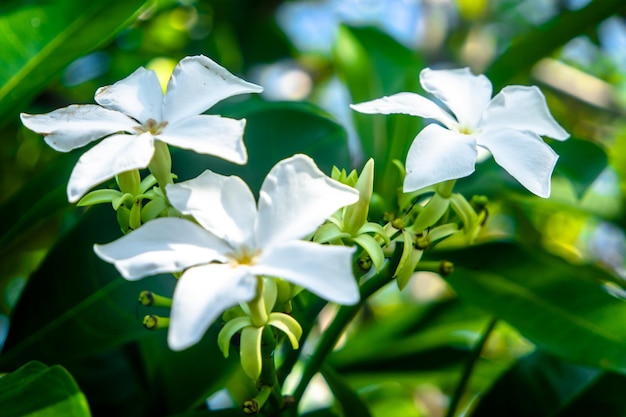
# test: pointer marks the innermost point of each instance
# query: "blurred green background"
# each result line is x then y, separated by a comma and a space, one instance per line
552, 270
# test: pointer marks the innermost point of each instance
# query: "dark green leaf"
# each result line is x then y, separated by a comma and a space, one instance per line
350, 402
580, 161
75, 304
373, 64
537, 385
544, 39
274, 131
38, 390
560, 307
40, 38
604, 397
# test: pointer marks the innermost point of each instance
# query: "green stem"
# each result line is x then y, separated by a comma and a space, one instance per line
344, 316
445, 188
469, 367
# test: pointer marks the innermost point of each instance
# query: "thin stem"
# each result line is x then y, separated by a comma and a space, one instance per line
342, 319
469, 367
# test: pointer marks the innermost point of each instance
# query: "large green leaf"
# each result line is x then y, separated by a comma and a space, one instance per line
373, 64
537, 385
40, 38
560, 307
38, 390
348, 399
425, 338
76, 305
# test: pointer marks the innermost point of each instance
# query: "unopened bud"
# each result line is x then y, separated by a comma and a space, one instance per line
153, 322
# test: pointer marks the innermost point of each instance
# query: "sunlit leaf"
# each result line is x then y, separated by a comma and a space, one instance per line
38, 390
40, 38
560, 307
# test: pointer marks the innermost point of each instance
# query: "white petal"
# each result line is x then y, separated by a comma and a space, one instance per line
139, 95
162, 245
523, 155
201, 295
115, 154
223, 205
197, 83
437, 155
77, 125
466, 95
208, 134
322, 269
522, 108
295, 198
406, 103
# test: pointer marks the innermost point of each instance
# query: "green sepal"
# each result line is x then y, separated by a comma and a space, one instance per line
153, 209
287, 325
228, 331
122, 199
465, 211
147, 183
329, 232
371, 227
408, 261
250, 351
99, 197
373, 249
431, 213
134, 220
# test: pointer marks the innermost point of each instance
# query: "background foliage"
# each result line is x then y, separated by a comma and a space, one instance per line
546, 277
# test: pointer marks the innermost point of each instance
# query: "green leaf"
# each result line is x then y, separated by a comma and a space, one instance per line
350, 402
580, 161
545, 38
202, 367
38, 390
373, 64
40, 38
603, 397
274, 131
424, 338
560, 307
537, 385
76, 305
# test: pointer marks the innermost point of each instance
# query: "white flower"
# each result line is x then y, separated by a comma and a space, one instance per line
508, 126
134, 112
236, 242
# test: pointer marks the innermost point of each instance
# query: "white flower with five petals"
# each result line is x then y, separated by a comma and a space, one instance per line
134, 113
508, 125
235, 241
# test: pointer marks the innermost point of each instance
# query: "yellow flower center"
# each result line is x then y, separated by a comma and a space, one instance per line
151, 126
244, 256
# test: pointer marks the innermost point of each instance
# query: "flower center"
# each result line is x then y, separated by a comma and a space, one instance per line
151, 126
244, 256
465, 130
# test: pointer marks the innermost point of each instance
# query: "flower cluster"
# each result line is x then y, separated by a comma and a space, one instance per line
244, 259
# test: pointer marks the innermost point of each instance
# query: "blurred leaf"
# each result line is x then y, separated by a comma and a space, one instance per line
580, 161
424, 338
550, 301
38, 390
34, 206
373, 64
42, 37
274, 131
75, 304
350, 402
544, 39
603, 397
537, 385
185, 379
